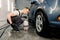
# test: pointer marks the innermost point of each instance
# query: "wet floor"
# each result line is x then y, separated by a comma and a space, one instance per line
22, 35
25, 35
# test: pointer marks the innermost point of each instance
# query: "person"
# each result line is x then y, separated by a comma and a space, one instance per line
15, 22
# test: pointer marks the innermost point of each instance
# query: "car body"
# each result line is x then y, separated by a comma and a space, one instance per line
50, 9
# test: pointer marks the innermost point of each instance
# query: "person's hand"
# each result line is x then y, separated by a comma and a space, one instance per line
10, 22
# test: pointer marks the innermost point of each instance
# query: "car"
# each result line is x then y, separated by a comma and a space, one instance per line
44, 14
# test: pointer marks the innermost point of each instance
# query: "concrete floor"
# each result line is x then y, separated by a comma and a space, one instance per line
23, 35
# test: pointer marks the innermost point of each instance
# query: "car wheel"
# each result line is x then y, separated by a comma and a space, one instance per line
40, 22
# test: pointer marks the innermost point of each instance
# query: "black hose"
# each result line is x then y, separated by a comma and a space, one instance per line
4, 30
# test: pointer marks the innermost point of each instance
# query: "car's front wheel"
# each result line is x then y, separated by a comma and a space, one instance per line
40, 22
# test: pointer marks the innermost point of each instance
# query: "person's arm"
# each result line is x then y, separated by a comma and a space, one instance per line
9, 17
14, 13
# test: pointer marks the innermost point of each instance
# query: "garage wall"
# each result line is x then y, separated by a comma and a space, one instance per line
20, 4
4, 10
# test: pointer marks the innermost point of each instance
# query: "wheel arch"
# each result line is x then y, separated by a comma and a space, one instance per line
42, 10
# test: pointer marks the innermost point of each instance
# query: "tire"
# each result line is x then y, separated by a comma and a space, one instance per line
40, 23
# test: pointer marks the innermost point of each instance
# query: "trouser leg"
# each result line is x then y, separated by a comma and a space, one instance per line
16, 21
14, 25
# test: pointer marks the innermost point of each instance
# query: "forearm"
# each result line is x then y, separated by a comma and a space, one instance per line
9, 19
